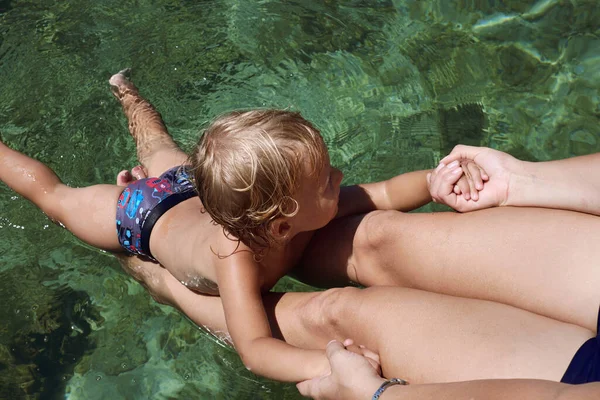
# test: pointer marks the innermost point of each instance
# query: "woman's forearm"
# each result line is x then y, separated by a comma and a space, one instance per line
495, 390
570, 184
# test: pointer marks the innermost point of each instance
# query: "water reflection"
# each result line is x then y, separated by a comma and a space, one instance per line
393, 85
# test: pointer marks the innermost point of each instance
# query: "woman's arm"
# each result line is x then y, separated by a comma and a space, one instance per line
353, 378
569, 184
239, 279
496, 390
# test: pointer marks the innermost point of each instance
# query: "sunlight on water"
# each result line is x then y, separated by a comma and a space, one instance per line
393, 85
493, 21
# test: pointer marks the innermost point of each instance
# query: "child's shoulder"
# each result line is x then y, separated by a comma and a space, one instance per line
229, 247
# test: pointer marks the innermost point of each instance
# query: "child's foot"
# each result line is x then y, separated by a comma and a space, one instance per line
125, 177
120, 83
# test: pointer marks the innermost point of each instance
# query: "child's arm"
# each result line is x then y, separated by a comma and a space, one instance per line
404, 192
411, 190
240, 283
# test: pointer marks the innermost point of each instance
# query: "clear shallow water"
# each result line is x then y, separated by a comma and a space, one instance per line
393, 85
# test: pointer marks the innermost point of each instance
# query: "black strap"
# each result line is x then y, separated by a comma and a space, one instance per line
158, 212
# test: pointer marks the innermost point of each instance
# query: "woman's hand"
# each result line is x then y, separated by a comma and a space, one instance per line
352, 375
488, 169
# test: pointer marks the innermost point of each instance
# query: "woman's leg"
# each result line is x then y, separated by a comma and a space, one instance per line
426, 337
420, 336
89, 213
541, 260
156, 150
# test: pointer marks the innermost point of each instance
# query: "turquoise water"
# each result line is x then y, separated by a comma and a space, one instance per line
393, 85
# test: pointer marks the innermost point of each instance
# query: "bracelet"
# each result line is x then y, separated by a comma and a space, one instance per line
387, 384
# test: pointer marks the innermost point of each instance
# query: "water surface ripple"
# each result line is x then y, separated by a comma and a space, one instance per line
393, 85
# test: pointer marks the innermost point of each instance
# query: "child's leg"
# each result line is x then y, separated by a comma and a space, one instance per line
156, 149
89, 213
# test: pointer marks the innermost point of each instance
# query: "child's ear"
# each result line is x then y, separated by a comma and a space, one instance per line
280, 227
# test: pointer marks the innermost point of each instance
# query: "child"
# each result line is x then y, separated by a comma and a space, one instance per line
265, 179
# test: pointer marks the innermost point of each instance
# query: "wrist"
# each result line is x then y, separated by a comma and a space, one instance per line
519, 184
317, 366
369, 388
387, 385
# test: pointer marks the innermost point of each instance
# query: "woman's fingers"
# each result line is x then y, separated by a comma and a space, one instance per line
462, 151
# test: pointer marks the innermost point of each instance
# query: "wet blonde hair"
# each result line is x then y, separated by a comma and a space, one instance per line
247, 168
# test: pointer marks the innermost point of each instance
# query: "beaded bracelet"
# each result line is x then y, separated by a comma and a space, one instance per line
387, 384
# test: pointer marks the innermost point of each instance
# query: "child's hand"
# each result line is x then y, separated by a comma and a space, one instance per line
372, 357
471, 182
457, 185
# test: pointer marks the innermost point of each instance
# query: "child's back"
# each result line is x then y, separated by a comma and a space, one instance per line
185, 239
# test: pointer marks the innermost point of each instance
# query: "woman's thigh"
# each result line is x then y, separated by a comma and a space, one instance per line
420, 336
427, 337
544, 261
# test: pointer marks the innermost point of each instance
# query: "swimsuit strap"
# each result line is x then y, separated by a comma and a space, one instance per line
158, 212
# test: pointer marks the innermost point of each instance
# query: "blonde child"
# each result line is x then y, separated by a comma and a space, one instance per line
266, 181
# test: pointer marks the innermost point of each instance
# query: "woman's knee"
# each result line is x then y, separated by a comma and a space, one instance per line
377, 232
333, 306
374, 230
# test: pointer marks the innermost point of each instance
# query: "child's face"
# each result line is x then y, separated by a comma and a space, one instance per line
317, 197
